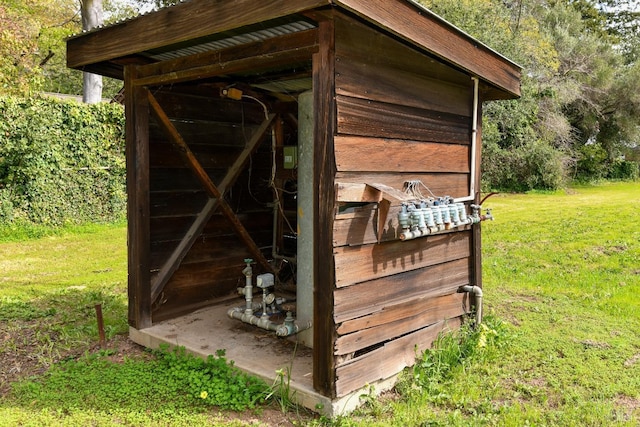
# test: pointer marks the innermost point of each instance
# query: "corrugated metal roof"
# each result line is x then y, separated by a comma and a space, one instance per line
236, 40
119, 21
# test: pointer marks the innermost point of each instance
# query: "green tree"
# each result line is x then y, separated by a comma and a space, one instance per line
519, 137
603, 110
579, 107
623, 22
19, 60
33, 49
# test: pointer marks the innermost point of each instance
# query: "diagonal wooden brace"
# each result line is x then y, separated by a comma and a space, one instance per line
216, 198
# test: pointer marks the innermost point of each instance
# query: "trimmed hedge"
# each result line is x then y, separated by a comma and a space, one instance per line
61, 161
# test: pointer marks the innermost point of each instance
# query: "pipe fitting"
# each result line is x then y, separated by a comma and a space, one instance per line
403, 218
454, 213
409, 235
291, 327
248, 288
476, 291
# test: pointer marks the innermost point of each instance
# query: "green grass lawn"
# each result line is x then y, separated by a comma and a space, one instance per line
561, 345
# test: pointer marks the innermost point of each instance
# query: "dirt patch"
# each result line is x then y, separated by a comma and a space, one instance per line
595, 344
19, 353
628, 402
629, 405
272, 417
23, 353
632, 361
611, 250
537, 382
121, 347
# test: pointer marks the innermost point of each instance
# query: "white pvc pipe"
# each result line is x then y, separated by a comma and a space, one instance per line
477, 293
474, 142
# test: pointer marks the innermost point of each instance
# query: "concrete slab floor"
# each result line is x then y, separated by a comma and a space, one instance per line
252, 349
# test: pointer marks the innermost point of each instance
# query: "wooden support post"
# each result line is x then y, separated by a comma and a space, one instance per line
324, 282
137, 153
216, 197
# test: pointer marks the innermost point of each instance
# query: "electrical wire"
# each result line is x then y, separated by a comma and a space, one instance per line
266, 117
272, 180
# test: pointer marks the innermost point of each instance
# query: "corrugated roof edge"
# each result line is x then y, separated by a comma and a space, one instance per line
122, 21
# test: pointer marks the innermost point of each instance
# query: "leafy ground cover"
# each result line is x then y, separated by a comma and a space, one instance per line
559, 345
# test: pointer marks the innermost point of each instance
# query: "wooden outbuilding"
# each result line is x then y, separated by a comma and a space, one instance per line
312, 137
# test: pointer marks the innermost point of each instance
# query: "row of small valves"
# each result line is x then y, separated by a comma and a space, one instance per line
427, 217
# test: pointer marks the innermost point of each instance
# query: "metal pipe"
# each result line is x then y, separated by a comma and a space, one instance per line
289, 327
291, 259
414, 234
477, 293
264, 281
248, 287
474, 141
251, 319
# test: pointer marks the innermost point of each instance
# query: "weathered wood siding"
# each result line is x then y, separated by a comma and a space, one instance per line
399, 118
216, 131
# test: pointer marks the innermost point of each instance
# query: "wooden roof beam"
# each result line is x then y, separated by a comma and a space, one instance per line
275, 52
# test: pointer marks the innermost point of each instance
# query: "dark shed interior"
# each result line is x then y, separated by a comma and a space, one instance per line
274, 154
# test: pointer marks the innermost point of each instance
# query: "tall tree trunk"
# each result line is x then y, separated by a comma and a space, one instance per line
91, 11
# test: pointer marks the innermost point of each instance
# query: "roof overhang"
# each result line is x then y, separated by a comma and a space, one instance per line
195, 26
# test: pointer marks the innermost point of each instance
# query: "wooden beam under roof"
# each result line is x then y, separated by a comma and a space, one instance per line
273, 53
290, 44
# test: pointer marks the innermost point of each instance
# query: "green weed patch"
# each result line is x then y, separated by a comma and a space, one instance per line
171, 382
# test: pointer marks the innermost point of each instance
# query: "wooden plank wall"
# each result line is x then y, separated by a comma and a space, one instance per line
399, 118
216, 131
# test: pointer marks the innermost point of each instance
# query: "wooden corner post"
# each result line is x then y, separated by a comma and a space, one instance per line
138, 240
324, 331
